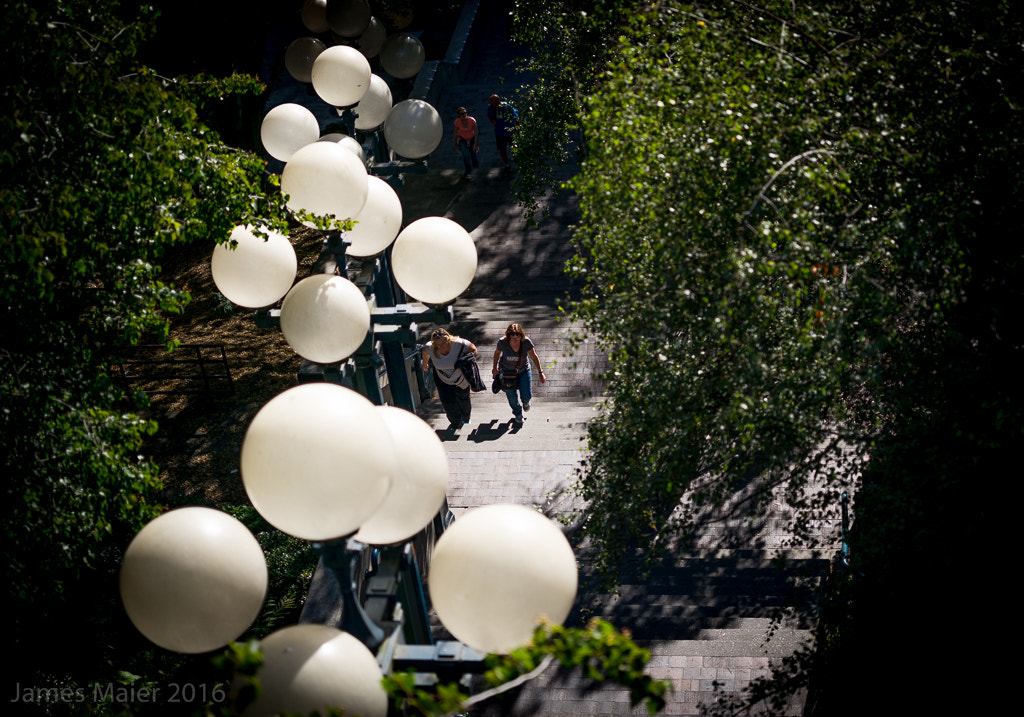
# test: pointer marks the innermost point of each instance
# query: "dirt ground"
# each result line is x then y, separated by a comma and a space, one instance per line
200, 435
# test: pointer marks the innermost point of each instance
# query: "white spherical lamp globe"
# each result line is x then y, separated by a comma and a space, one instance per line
193, 580
402, 55
313, 668
324, 178
317, 461
413, 129
497, 571
341, 75
286, 129
300, 56
375, 106
378, 223
420, 481
258, 271
314, 15
346, 142
434, 260
348, 18
372, 39
325, 318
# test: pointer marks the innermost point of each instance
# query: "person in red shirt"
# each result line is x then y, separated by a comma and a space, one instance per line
467, 141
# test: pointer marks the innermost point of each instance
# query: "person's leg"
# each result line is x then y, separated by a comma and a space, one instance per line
465, 405
512, 395
446, 394
503, 145
465, 154
526, 388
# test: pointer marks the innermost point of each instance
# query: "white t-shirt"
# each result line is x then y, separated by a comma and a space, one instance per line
444, 364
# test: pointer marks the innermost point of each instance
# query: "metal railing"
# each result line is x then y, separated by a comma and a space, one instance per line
203, 369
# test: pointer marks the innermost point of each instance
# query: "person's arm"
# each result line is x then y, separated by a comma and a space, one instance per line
536, 361
426, 360
497, 358
471, 347
476, 136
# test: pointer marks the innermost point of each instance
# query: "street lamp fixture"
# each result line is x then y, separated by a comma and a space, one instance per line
317, 461
375, 106
325, 179
288, 128
258, 271
300, 56
323, 463
377, 223
310, 667
434, 260
193, 579
348, 18
402, 55
341, 75
325, 318
413, 129
420, 481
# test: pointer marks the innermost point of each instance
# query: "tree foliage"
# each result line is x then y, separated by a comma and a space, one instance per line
787, 213
799, 240
598, 650
104, 167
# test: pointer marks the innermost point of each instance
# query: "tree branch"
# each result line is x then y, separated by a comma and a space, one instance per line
761, 193
511, 684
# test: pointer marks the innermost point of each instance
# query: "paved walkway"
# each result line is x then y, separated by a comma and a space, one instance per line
705, 614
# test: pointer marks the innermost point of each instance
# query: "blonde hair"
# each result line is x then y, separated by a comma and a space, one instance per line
437, 335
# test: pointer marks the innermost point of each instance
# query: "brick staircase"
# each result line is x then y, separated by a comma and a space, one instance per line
704, 613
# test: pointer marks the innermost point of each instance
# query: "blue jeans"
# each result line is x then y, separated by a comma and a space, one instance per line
469, 157
525, 390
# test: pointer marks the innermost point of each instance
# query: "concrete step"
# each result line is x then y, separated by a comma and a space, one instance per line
711, 595
755, 643
496, 405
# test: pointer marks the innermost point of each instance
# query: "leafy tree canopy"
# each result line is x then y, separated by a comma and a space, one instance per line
800, 238
791, 214
104, 167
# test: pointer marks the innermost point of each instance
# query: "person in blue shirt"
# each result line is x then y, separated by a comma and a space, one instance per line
505, 119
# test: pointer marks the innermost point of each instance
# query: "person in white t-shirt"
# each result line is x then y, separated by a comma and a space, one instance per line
440, 354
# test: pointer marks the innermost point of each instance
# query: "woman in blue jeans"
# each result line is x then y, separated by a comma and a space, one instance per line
512, 361
467, 141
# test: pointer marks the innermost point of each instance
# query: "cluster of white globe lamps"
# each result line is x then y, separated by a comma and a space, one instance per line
320, 461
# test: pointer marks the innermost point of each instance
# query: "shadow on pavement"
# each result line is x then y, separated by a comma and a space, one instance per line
486, 432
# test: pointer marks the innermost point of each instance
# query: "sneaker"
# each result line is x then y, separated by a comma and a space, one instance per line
518, 420
526, 406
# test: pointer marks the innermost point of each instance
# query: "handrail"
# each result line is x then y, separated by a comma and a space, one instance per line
213, 374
